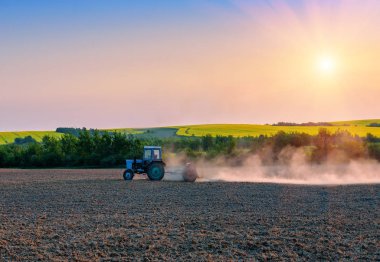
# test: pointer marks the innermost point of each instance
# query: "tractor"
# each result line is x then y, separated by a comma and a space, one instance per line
151, 164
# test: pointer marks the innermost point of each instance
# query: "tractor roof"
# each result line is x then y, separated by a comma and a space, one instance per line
152, 147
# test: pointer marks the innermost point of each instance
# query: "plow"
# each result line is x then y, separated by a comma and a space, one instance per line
152, 165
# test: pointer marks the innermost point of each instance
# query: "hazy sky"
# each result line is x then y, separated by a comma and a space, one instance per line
106, 64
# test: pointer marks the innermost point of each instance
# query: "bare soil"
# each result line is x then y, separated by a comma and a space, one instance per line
90, 215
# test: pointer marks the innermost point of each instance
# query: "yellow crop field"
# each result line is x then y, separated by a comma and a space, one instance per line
238, 130
9, 137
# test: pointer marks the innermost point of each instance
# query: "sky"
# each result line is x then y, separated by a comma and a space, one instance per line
109, 64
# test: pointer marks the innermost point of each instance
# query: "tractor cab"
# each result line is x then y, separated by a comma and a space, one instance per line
152, 153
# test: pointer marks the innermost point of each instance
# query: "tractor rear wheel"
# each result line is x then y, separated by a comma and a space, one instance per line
128, 174
156, 171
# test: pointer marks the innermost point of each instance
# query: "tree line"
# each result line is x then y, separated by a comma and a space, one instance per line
374, 125
303, 124
91, 148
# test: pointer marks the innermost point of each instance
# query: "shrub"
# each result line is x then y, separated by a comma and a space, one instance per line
372, 139
374, 150
25, 140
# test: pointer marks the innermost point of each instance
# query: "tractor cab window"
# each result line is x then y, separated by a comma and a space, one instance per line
156, 154
148, 154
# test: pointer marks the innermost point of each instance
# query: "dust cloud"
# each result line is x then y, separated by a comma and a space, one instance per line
292, 168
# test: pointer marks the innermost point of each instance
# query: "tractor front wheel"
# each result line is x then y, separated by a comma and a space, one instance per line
156, 171
128, 174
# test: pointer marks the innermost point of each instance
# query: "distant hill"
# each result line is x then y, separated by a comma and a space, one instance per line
160, 132
356, 127
256, 130
356, 122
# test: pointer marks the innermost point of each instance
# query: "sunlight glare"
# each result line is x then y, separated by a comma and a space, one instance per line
326, 65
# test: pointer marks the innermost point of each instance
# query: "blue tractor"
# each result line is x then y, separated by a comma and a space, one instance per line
151, 164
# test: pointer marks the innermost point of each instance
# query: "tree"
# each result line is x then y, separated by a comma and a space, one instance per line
51, 152
323, 143
25, 140
207, 142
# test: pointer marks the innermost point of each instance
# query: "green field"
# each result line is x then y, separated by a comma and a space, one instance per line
356, 127
9, 137
356, 122
127, 131
256, 130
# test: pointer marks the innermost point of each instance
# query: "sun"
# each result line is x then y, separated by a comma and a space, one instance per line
326, 64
